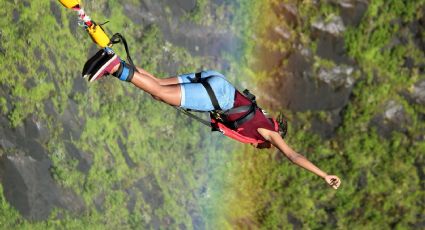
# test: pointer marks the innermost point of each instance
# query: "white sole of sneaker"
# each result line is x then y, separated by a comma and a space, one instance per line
103, 68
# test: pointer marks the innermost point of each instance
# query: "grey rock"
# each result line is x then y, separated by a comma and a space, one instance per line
130, 163
362, 180
72, 123
393, 111
418, 92
296, 222
393, 119
326, 127
352, 11
5, 144
56, 12
290, 13
338, 76
334, 26
85, 160
36, 128
205, 40
198, 221
98, 202
26, 186
151, 191
331, 45
131, 204
29, 187
283, 32
299, 90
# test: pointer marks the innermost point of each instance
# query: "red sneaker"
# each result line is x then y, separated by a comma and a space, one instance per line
100, 64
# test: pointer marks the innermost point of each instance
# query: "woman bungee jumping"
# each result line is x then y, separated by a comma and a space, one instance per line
235, 114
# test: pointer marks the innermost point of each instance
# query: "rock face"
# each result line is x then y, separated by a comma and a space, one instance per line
334, 26
25, 170
29, 187
394, 118
417, 94
304, 83
301, 89
203, 40
26, 186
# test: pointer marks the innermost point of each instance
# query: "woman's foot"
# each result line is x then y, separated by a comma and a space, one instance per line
104, 62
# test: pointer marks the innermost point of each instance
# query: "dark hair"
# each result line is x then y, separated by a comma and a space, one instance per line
283, 124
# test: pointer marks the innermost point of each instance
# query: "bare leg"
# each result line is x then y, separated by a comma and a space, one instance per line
161, 81
169, 93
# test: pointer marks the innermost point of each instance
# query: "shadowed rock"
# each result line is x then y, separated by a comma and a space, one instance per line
56, 11
197, 220
85, 160
326, 127
131, 204
352, 11
334, 26
296, 89
331, 46
72, 123
339, 76
296, 223
130, 163
418, 92
98, 202
29, 187
204, 40
394, 118
151, 191
25, 171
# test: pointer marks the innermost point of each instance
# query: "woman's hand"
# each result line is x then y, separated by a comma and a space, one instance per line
333, 181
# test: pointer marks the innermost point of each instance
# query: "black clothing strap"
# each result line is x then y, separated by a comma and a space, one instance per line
248, 116
130, 68
191, 115
117, 38
211, 93
198, 77
240, 109
249, 95
207, 86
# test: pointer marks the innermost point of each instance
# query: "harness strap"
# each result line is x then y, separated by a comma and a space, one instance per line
117, 38
211, 93
248, 116
249, 95
198, 77
191, 115
207, 86
240, 109
249, 110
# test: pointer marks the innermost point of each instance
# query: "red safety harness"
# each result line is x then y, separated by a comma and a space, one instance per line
220, 120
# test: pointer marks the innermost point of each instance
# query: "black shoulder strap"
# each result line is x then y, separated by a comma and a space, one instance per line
246, 117
198, 77
240, 109
207, 86
211, 93
249, 95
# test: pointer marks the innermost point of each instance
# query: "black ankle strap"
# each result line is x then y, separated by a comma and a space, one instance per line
125, 72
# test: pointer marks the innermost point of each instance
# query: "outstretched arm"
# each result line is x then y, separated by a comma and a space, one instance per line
296, 158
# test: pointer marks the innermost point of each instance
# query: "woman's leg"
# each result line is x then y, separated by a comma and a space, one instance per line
170, 93
161, 81
105, 62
